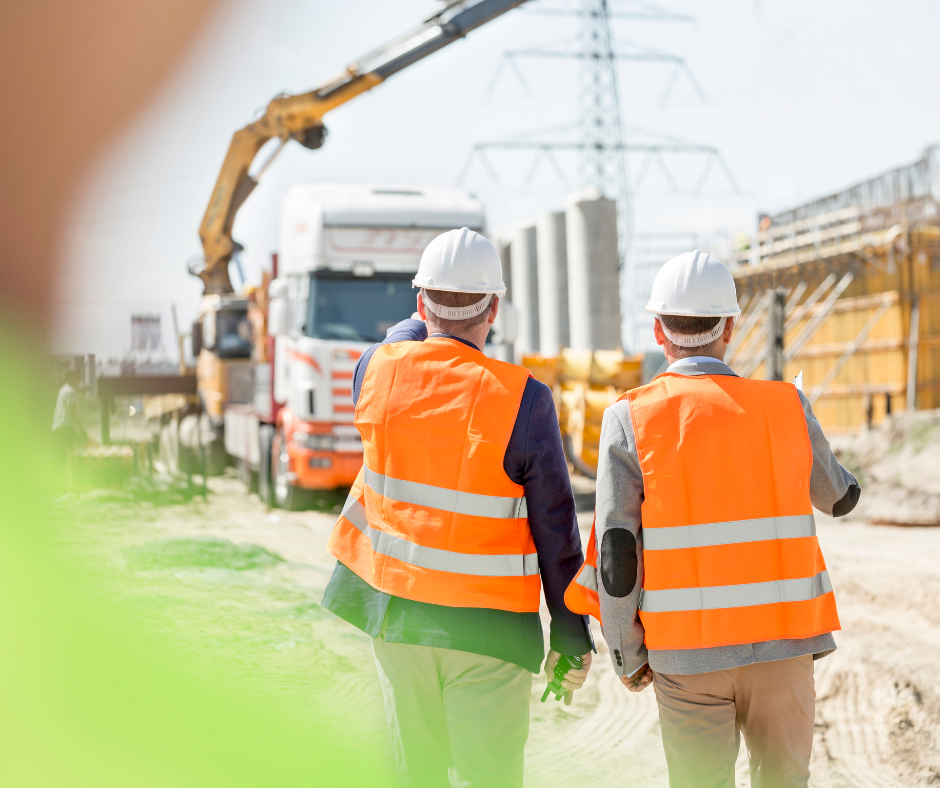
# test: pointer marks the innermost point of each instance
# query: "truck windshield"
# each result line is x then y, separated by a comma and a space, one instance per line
233, 333
358, 309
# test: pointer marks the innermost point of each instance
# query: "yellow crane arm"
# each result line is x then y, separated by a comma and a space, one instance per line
290, 117
300, 118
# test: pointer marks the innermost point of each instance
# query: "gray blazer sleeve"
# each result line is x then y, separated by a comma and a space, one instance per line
619, 540
832, 489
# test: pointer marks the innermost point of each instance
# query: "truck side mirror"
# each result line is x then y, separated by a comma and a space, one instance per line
277, 317
197, 338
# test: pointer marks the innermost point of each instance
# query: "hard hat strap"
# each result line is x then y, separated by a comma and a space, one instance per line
456, 312
694, 340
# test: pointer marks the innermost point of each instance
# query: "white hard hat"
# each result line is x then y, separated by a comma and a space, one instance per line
461, 261
694, 284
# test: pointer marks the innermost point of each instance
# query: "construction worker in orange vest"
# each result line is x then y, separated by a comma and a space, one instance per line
703, 566
462, 514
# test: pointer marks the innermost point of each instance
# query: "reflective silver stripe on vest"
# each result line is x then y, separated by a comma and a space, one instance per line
735, 532
439, 560
587, 577
444, 499
744, 595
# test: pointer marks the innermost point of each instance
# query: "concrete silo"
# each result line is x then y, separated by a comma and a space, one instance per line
593, 271
553, 283
525, 287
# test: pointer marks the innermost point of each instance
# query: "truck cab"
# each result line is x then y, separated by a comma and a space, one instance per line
222, 342
347, 255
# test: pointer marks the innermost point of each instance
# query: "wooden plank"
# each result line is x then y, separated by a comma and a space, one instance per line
854, 389
800, 311
848, 389
837, 348
795, 297
862, 335
912, 355
747, 324
816, 320
130, 385
864, 302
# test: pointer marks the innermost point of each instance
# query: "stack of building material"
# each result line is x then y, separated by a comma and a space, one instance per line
584, 384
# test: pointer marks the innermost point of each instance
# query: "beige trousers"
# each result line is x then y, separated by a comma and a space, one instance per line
703, 716
456, 719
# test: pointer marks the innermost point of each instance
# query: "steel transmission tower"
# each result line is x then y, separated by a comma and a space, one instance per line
599, 135
604, 156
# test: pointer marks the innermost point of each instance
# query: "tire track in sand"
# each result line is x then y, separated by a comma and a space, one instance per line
846, 716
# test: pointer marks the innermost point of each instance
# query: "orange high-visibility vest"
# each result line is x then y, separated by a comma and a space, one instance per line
729, 540
433, 517
581, 594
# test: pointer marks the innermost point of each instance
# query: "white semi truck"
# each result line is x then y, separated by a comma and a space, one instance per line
347, 255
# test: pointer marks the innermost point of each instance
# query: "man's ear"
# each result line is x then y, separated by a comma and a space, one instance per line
494, 310
421, 310
658, 333
729, 330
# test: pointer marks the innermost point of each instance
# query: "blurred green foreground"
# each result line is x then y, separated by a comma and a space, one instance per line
103, 688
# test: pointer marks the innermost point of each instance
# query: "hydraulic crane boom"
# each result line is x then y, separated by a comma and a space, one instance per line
301, 118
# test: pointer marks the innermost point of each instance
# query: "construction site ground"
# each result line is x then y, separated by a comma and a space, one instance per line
237, 586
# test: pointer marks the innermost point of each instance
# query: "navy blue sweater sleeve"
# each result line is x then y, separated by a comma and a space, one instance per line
535, 459
407, 330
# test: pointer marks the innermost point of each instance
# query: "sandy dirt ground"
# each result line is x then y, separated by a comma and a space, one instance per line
878, 710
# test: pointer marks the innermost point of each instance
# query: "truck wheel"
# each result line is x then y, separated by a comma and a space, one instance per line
286, 495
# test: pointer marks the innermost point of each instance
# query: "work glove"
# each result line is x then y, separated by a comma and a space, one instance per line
574, 679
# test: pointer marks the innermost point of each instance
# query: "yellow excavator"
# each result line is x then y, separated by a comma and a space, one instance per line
222, 337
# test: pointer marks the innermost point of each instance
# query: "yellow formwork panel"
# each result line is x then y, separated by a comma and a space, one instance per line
877, 371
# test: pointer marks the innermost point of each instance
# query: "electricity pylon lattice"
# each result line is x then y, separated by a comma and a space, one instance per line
600, 135
603, 157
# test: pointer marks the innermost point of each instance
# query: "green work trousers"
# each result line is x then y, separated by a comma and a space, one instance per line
456, 719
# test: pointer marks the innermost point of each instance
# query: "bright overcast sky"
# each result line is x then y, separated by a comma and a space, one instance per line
802, 97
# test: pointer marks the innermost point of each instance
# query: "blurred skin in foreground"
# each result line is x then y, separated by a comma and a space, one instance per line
84, 703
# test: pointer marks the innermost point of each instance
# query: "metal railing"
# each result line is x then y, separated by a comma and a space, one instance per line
920, 180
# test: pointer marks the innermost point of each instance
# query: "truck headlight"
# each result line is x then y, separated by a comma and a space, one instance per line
313, 441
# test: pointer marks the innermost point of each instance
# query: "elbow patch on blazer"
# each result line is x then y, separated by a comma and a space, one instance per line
618, 562
848, 502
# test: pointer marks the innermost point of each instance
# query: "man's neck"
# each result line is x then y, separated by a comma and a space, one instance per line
460, 339
476, 337
683, 360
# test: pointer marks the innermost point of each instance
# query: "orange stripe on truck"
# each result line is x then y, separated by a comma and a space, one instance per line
303, 357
